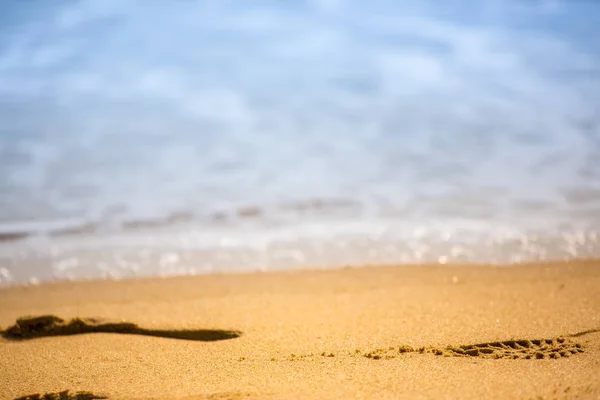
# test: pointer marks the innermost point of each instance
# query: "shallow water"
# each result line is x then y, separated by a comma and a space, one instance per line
200, 137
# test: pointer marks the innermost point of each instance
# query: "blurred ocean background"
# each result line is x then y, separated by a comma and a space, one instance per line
183, 137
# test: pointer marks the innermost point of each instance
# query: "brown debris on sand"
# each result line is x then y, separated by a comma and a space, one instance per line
51, 325
64, 395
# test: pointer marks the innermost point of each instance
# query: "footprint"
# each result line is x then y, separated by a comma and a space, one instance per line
65, 395
510, 349
517, 349
51, 325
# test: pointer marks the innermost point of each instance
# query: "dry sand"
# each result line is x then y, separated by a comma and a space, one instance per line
373, 332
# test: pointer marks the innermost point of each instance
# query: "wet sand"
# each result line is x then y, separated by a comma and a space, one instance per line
527, 331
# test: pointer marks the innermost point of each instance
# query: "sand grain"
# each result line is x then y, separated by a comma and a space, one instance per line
376, 332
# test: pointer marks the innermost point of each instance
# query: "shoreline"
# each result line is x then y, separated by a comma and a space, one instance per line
158, 252
312, 268
428, 331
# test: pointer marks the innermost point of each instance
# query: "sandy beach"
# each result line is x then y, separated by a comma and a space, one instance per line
468, 332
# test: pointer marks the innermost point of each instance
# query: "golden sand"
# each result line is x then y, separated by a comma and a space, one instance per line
468, 332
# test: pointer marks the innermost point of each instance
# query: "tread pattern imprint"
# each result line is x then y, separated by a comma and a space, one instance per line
509, 349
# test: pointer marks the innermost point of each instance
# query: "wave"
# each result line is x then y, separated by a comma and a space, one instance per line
16, 230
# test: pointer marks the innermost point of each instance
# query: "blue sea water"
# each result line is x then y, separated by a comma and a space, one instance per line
160, 138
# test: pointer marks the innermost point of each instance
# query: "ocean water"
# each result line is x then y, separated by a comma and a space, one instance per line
167, 138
